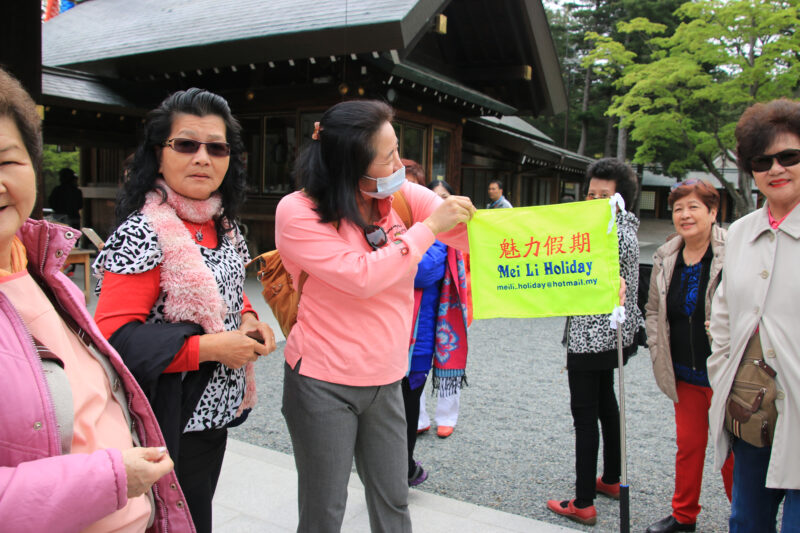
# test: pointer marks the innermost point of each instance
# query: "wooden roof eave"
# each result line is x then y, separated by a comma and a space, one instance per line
401, 71
537, 150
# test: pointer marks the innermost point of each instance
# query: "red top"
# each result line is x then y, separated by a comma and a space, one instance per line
130, 297
775, 223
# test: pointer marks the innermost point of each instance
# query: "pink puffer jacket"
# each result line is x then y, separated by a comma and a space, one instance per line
40, 489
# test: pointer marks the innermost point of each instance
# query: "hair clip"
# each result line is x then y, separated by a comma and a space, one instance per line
317, 129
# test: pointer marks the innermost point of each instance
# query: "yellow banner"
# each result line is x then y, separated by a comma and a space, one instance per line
553, 260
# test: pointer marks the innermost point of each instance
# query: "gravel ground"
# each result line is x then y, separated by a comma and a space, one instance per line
513, 448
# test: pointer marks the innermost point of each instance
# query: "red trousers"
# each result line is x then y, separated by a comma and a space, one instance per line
691, 422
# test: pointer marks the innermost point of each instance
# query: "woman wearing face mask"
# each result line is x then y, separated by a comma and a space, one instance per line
348, 351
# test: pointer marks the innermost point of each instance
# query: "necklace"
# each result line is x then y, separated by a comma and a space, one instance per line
691, 258
198, 233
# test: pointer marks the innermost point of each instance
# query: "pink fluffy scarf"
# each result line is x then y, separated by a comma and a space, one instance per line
190, 284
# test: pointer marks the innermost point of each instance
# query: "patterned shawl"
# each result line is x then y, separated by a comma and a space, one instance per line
450, 350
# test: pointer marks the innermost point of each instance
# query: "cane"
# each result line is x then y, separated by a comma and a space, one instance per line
624, 494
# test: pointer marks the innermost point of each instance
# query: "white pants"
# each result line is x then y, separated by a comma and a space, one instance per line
446, 410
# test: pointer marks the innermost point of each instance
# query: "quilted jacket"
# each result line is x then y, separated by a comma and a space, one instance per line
41, 489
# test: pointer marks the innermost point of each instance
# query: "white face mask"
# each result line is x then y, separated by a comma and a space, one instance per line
387, 186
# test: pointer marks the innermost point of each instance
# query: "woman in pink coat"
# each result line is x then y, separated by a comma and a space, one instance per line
80, 448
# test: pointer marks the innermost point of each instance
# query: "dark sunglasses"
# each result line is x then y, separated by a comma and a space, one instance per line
190, 146
686, 183
786, 158
376, 236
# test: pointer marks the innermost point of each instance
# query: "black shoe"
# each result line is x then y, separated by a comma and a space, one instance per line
419, 475
668, 525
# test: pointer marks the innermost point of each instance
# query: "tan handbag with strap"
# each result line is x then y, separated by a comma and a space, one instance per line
750, 412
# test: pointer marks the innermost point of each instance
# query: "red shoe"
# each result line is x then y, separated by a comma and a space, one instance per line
444, 431
608, 489
423, 430
586, 516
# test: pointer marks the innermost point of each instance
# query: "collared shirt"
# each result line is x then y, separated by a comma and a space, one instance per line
499, 203
356, 309
775, 223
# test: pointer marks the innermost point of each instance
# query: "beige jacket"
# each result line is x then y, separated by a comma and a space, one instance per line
760, 287
656, 308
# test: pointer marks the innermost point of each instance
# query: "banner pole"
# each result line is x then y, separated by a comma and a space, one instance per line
624, 494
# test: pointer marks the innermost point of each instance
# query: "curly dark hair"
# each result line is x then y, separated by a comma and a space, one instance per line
612, 169
143, 170
760, 124
330, 167
16, 103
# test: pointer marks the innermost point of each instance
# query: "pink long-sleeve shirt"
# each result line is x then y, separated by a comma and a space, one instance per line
356, 307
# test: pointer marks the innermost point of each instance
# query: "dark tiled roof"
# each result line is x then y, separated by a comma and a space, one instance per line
524, 143
63, 84
517, 125
84, 34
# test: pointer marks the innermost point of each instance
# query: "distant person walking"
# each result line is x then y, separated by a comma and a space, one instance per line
66, 199
498, 201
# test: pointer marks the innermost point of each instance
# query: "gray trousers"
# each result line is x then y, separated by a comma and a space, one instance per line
330, 424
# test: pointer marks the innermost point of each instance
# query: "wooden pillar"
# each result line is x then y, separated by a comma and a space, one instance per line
454, 172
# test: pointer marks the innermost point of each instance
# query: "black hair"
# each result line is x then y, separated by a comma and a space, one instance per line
437, 183
17, 104
143, 170
619, 172
330, 167
498, 182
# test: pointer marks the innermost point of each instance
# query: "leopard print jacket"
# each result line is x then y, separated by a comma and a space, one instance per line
592, 333
133, 248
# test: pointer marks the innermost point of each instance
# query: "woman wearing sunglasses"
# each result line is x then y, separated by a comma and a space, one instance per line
755, 309
348, 351
686, 272
172, 296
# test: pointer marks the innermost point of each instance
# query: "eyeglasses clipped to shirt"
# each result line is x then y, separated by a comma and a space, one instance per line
376, 236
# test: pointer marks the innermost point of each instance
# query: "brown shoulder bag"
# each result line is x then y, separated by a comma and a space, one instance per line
750, 412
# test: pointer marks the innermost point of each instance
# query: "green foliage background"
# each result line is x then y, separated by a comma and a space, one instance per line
675, 76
